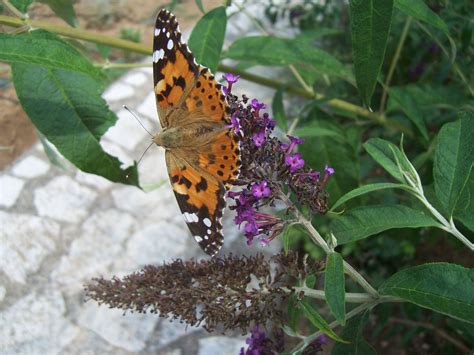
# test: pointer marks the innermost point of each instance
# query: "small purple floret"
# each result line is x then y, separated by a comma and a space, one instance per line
259, 138
261, 189
231, 78
295, 162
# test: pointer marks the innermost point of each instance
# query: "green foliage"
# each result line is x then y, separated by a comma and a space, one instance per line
353, 333
442, 287
64, 9
370, 24
207, 38
334, 286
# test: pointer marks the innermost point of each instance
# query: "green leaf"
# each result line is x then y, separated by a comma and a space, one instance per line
366, 189
51, 153
454, 156
64, 9
319, 322
365, 221
419, 10
200, 6
46, 50
406, 102
334, 286
370, 25
67, 108
207, 38
382, 152
353, 331
335, 152
312, 131
442, 287
465, 205
279, 110
269, 50
21, 5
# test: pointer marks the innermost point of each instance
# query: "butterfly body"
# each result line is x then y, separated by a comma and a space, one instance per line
202, 153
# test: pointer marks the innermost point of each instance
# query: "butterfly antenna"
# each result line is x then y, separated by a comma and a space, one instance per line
143, 154
138, 120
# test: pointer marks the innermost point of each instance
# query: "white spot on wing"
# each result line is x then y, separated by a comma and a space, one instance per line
197, 238
190, 217
167, 34
158, 55
170, 44
157, 32
209, 231
207, 222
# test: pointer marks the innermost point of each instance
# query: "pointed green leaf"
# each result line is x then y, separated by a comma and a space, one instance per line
366, 189
319, 322
207, 38
382, 152
365, 221
334, 286
403, 100
353, 332
370, 25
442, 287
64, 9
465, 205
67, 108
44, 49
453, 160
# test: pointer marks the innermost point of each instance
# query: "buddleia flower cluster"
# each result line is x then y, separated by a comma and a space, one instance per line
271, 170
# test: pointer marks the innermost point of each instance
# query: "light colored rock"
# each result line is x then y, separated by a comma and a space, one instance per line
114, 150
170, 331
129, 331
117, 91
147, 70
24, 242
36, 325
93, 180
64, 199
220, 345
152, 168
126, 132
30, 167
3, 292
10, 189
137, 78
156, 205
148, 108
97, 247
160, 242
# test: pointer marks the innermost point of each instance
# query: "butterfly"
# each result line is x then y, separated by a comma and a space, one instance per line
201, 150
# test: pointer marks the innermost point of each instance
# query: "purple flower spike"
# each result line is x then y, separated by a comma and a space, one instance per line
260, 190
295, 162
231, 78
259, 138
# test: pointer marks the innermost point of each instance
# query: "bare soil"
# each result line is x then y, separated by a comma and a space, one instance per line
17, 133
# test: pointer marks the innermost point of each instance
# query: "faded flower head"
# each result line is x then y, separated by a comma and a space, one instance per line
271, 171
208, 292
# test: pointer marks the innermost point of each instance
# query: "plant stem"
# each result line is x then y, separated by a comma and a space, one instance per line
351, 297
394, 62
142, 49
14, 10
319, 240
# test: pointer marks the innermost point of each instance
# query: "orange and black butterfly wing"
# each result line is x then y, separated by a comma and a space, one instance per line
174, 68
201, 198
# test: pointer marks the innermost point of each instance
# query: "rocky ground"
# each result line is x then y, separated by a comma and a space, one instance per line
61, 227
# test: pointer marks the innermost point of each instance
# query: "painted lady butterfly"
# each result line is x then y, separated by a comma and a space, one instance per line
202, 153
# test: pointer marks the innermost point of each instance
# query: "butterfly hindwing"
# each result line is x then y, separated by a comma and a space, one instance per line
200, 197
